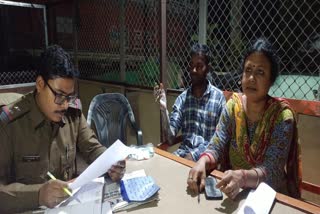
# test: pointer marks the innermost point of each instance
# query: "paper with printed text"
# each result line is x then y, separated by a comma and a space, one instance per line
116, 152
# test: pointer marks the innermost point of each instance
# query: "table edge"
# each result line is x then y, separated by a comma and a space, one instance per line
281, 198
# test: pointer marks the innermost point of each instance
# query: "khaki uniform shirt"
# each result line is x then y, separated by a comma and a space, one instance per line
30, 146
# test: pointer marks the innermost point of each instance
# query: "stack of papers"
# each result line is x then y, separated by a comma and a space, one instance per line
88, 188
92, 194
86, 199
142, 193
138, 189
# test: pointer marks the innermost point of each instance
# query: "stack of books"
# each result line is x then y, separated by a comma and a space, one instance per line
134, 189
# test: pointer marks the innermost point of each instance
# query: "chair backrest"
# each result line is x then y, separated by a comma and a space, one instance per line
108, 114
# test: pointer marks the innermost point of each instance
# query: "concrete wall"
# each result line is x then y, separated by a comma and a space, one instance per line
309, 136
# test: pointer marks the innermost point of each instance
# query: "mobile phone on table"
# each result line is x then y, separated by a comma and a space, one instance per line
211, 192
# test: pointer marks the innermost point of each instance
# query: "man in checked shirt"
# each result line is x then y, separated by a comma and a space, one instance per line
196, 111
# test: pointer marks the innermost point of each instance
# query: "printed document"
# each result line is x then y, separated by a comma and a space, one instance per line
116, 152
90, 196
88, 187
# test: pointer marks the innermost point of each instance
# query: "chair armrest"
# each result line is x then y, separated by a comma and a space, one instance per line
165, 145
310, 187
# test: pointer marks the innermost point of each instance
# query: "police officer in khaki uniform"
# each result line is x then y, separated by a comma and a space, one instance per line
39, 133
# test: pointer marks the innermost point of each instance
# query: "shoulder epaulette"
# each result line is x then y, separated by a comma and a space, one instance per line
14, 110
5, 115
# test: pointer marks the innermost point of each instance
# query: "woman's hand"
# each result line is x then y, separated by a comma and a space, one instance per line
231, 183
160, 96
197, 175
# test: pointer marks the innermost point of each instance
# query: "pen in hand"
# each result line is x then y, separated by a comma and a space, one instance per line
64, 189
198, 184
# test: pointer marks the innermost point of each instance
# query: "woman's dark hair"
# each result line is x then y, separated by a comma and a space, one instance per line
56, 62
201, 49
264, 46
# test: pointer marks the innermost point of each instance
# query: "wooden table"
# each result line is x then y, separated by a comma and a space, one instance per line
170, 173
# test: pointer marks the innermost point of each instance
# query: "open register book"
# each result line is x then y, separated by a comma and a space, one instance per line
134, 189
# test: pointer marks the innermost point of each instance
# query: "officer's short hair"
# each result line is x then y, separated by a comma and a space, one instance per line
201, 49
56, 62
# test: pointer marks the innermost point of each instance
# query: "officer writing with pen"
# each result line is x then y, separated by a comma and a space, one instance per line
39, 133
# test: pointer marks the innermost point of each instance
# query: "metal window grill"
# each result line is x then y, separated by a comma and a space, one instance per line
292, 26
122, 40
20, 42
118, 40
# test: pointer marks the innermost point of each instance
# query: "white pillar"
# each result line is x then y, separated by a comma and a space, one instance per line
203, 14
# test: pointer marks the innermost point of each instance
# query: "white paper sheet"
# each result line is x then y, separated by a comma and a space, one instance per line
116, 152
259, 201
93, 207
134, 174
91, 191
90, 195
106, 208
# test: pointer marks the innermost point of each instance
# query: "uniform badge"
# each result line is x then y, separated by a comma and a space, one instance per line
5, 114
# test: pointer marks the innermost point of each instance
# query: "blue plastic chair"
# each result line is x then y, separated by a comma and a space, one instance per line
108, 114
